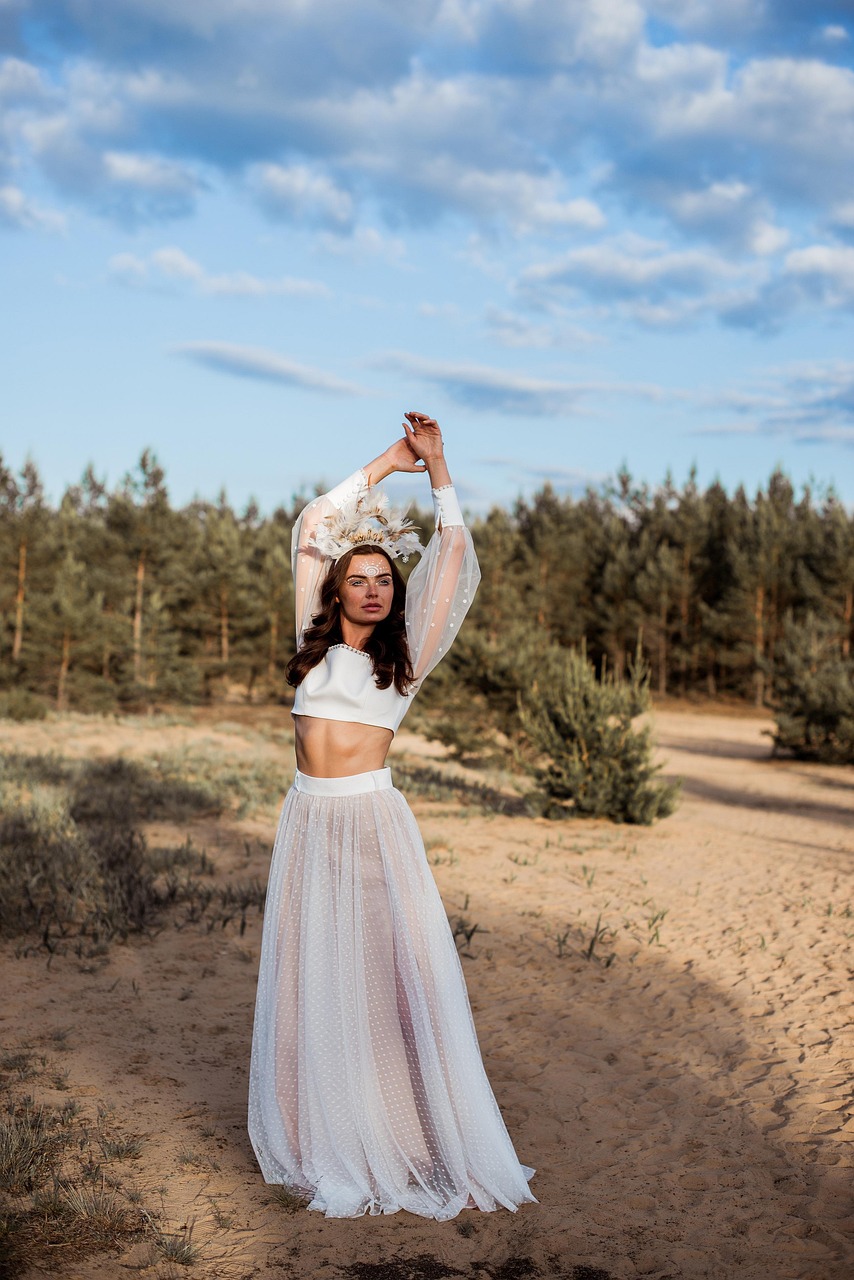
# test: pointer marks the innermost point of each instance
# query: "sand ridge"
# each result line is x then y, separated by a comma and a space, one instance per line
684, 1092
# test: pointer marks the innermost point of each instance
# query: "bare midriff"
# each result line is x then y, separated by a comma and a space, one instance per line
339, 748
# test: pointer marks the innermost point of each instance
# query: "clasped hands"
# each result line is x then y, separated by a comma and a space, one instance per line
420, 444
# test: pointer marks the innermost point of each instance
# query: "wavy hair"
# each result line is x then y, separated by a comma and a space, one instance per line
387, 644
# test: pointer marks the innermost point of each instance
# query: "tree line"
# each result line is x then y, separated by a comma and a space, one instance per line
117, 598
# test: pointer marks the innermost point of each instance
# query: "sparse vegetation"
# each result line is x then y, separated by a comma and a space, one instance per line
77, 872
57, 1203
462, 928
178, 1246
289, 1198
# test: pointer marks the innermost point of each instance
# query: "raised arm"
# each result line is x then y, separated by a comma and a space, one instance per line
310, 565
441, 588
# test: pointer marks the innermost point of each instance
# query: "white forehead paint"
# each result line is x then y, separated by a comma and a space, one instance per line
370, 571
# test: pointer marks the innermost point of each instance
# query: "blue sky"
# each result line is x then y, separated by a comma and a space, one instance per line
581, 233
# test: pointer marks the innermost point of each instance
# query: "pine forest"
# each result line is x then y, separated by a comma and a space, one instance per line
116, 599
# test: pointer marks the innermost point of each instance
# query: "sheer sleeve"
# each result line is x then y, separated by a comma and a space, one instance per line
309, 565
441, 587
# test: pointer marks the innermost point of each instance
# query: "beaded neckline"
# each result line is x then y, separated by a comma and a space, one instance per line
352, 649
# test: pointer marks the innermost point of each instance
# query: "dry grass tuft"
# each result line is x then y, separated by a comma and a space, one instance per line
57, 1204
288, 1198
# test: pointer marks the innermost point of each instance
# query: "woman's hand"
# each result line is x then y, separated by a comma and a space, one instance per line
423, 437
402, 457
420, 449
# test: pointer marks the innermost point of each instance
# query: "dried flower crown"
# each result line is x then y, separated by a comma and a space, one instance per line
366, 522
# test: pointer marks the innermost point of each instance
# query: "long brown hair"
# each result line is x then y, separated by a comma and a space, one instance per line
387, 645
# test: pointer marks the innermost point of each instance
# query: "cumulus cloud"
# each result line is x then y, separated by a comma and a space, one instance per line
526, 201
20, 213
360, 118
511, 329
364, 242
823, 272
648, 281
538, 35
728, 213
787, 24
172, 265
21, 82
841, 219
265, 366
297, 193
819, 276
131, 186
638, 269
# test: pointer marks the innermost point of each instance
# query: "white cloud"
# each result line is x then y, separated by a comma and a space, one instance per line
526, 201
265, 366
808, 403
825, 271
299, 193
364, 242
842, 215
21, 213
502, 115
545, 34
633, 268
174, 265
439, 310
491, 390
20, 81
149, 173
728, 212
834, 34
510, 329
130, 186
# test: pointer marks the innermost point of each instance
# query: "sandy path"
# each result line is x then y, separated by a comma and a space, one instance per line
687, 1103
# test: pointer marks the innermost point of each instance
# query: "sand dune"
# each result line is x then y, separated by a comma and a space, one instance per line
684, 1091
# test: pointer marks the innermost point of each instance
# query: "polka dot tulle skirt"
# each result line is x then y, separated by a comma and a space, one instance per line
367, 1089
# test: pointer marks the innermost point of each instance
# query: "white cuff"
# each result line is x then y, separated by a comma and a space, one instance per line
447, 506
348, 489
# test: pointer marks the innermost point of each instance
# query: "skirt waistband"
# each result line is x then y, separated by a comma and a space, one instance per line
353, 785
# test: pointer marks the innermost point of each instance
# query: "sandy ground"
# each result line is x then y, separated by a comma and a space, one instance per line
685, 1093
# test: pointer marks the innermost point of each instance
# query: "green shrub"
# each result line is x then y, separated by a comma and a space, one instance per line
589, 758
814, 694
471, 703
19, 704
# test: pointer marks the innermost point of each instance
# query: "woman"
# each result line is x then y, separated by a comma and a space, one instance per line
367, 1090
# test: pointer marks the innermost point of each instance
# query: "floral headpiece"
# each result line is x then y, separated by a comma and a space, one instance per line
363, 522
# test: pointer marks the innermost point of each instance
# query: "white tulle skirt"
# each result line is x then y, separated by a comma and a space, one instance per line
367, 1090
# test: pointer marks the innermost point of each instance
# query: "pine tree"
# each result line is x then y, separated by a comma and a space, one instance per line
815, 693
69, 633
588, 753
272, 594
24, 530
139, 514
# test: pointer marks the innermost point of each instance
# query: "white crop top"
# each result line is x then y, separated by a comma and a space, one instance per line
438, 596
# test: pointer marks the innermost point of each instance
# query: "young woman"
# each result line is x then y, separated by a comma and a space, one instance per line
367, 1090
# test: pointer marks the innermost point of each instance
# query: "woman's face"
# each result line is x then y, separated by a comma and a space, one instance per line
367, 592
